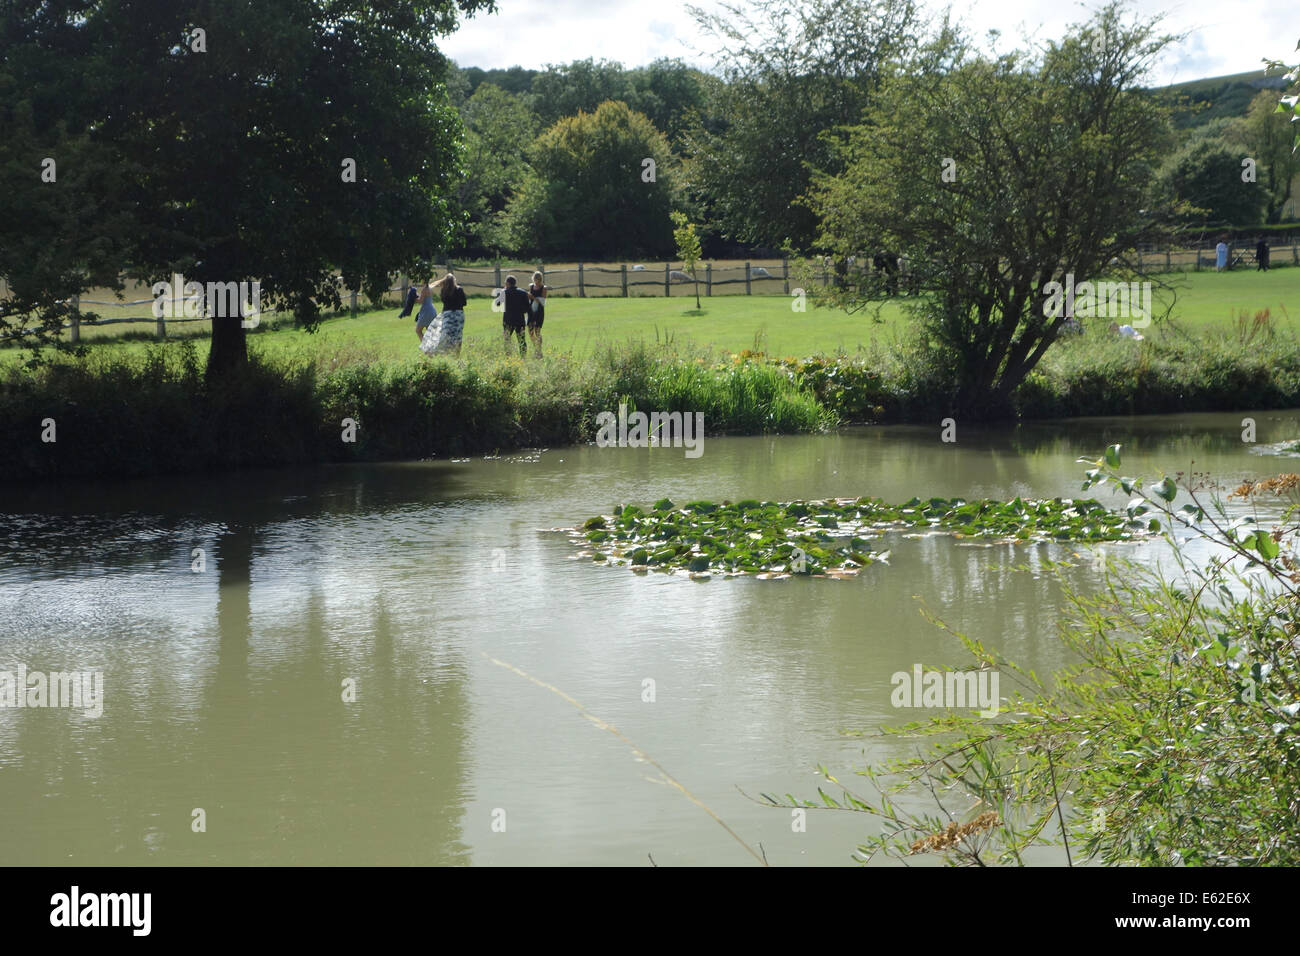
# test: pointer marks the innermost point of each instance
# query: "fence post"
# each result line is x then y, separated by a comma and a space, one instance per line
667, 266
354, 302
1169, 266
708, 279
625, 280
160, 328
76, 318
785, 272
747, 272
582, 285
496, 276
1197, 266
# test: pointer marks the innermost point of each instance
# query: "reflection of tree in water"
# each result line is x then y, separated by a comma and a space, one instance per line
1172, 440
290, 771
285, 770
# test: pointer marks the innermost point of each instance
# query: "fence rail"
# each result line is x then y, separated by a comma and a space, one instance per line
717, 277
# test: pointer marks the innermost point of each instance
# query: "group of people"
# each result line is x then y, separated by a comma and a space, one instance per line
443, 333
1221, 255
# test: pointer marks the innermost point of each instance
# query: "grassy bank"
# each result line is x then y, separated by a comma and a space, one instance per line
148, 410
125, 414
1095, 374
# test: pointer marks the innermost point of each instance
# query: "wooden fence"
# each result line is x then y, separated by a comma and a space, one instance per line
594, 280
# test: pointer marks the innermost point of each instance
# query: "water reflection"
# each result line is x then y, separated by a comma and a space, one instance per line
226, 687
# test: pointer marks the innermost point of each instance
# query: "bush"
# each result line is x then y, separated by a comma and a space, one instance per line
1175, 740
156, 414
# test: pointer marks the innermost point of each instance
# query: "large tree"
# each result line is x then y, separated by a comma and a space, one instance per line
498, 125
602, 185
670, 93
1269, 131
792, 72
274, 140
580, 86
1289, 104
1205, 175
995, 179
65, 193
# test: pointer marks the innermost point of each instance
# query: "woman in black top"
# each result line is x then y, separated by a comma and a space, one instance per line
453, 315
537, 298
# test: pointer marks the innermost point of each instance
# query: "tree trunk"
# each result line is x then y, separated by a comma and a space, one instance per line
229, 349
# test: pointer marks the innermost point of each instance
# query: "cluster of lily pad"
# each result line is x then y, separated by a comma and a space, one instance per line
830, 537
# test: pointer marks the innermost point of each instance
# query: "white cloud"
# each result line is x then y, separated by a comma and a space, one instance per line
1224, 36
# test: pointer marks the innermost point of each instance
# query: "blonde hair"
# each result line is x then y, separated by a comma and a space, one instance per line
537, 278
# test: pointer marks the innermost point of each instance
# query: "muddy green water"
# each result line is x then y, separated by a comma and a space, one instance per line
224, 687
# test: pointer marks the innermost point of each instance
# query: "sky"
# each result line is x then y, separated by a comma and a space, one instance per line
1223, 36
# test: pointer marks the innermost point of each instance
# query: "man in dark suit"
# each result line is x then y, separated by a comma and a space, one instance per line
516, 314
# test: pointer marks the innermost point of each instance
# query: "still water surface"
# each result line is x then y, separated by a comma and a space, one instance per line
224, 687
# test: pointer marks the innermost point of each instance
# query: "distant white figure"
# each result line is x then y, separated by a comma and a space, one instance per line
1127, 331
638, 268
677, 276
758, 272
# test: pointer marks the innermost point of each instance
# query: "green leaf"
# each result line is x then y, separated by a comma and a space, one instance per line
1166, 489
1266, 546
1112, 456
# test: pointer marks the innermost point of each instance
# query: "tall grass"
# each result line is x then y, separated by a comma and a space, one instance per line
1095, 374
155, 414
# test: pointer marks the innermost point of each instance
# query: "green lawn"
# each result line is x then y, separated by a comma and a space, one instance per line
1205, 300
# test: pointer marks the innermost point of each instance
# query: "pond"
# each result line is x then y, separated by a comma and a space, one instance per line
308, 666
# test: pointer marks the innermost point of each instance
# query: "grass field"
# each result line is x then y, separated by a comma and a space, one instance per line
1204, 301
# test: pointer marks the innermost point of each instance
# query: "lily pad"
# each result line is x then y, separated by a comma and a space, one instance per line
818, 537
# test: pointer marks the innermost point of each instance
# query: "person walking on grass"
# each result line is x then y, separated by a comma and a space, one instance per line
537, 300
453, 315
1220, 256
1261, 254
517, 305
428, 313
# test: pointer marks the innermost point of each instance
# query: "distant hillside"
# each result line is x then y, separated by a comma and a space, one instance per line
1221, 96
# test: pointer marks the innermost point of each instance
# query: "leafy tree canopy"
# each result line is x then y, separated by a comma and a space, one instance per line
590, 193
993, 180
